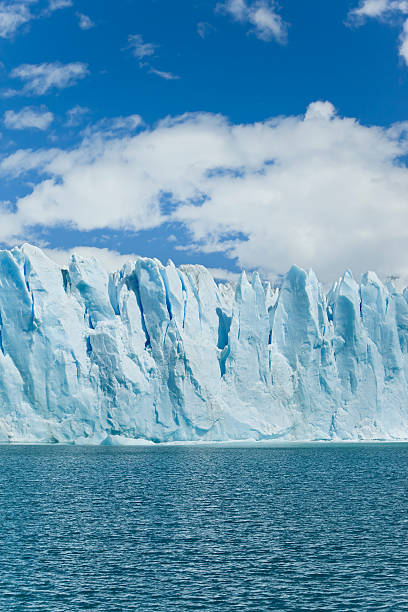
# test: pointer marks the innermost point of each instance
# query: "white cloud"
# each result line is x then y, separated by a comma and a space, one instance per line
224, 275
261, 15
168, 76
113, 261
85, 22
320, 110
403, 50
129, 123
237, 8
12, 16
371, 8
110, 260
56, 5
113, 126
318, 190
25, 160
379, 8
76, 115
38, 79
385, 10
16, 13
28, 117
139, 48
204, 28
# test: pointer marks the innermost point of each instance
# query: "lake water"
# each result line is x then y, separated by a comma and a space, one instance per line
315, 527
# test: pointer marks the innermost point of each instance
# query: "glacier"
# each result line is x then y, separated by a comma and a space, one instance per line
155, 353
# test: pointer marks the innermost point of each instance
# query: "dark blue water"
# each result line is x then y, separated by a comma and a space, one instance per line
303, 528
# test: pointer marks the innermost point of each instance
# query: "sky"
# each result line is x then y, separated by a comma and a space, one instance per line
239, 134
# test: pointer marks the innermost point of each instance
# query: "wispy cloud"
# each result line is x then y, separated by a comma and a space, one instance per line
38, 79
403, 49
378, 8
28, 117
56, 5
85, 22
139, 48
142, 50
12, 16
115, 126
204, 29
16, 13
392, 11
76, 115
262, 16
168, 76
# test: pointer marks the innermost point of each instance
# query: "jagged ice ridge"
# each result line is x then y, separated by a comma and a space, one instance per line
164, 354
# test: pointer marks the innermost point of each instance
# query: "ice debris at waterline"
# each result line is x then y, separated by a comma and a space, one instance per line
165, 354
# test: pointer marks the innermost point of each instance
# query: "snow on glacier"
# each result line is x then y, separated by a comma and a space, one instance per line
164, 354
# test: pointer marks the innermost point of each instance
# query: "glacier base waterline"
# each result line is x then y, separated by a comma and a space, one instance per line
163, 354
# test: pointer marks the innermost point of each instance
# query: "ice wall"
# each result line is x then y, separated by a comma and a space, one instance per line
165, 354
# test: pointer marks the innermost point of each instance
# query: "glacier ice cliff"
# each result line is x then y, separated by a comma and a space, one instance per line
164, 354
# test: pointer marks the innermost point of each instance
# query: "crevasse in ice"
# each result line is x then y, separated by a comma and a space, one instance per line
165, 354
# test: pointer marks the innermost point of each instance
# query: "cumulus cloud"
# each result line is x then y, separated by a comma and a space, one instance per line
319, 190
261, 15
85, 22
385, 10
28, 117
38, 79
320, 110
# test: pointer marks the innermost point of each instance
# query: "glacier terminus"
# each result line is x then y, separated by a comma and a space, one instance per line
156, 353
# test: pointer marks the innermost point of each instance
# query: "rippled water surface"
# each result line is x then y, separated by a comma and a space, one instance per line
209, 528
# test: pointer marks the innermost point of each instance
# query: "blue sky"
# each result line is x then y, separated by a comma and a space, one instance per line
243, 133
